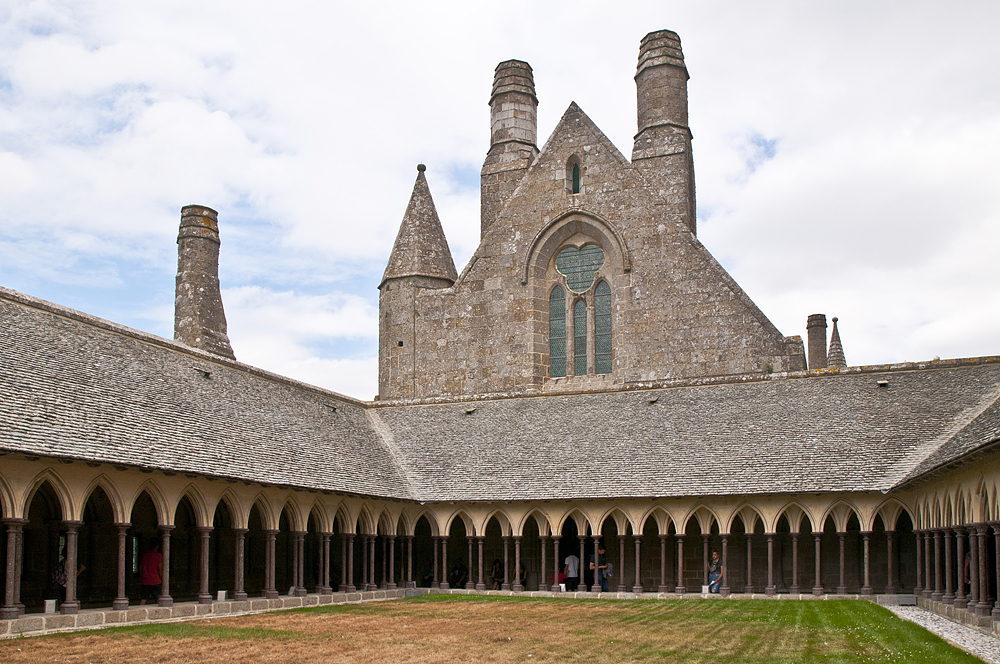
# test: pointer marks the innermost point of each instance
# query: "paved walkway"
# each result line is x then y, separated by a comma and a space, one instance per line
967, 638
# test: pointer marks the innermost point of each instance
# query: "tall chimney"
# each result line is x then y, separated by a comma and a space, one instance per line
816, 331
513, 137
199, 319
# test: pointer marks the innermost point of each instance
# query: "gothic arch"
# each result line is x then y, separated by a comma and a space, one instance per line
621, 519
793, 512
268, 517
111, 491
58, 487
579, 519
198, 502
470, 528
502, 519
6, 500
239, 515
705, 517
662, 517
748, 514
841, 512
164, 515
890, 510
365, 523
297, 517
542, 248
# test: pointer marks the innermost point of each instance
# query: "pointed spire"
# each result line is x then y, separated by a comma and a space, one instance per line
421, 249
835, 358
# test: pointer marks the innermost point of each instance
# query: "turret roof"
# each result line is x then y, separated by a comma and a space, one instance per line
835, 357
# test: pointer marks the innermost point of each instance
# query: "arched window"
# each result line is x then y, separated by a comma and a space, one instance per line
557, 333
580, 338
602, 328
576, 178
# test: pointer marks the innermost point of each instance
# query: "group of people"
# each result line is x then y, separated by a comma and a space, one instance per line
604, 570
150, 571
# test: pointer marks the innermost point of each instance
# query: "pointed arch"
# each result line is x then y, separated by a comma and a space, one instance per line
841, 512
748, 514
541, 520
427, 515
6, 500
552, 235
365, 522
889, 510
616, 514
318, 510
198, 503
268, 515
503, 520
59, 488
466, 521
386, 522
239, 515
795, 514
111, 491
661, 516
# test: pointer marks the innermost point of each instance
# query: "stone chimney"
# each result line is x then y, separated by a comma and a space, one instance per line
513, 137
199, 319
835, 358
816, 331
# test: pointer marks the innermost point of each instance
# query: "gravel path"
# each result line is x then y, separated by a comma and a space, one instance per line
971, 640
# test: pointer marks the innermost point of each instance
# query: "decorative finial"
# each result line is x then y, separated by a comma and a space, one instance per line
834, 319
421, 168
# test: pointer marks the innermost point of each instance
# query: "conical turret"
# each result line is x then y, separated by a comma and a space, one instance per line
421, 249
835, 358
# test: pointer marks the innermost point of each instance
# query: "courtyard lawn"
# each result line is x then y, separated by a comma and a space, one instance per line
462, 628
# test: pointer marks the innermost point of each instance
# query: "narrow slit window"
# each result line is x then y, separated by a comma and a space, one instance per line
580, 338
602, 328
576, 178
557, 333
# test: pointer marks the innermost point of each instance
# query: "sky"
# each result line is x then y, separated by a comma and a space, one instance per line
845, 155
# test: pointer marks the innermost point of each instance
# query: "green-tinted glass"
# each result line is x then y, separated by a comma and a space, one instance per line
576, 178
602, 328
579, 266
557, 333
580, 338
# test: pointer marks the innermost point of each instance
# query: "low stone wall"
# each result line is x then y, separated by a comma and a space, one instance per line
986, 624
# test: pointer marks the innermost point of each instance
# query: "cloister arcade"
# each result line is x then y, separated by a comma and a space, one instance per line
252, 540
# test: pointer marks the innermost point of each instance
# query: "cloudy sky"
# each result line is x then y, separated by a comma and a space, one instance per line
846, 155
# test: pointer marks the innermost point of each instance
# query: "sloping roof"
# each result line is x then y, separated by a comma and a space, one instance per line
421, 248
74, 386
78, 387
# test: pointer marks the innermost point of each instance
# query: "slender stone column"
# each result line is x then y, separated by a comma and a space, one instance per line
748, 589
704, 558
10, 610
239, 592
621, 563
795, 564
662, 588
205, 532
928, 589
371, 563
517, 587
410, 583
890, 589
583, 562
637, 588
818, 588
724, 588
996, 532
555, 561
324, 570
71, 605
270, 592
349, 563
983, 606
770, 589
506, 567
918, 590
949, 590
444, 562
343, 563
120, 603
392, 585
596, 588
866, 589
384, 583
679, 589
300, 564
165, 599
973, 569
18, 574
436, 582
543, 584
480, 584
961, 601
842, 587
469, 584
937, 594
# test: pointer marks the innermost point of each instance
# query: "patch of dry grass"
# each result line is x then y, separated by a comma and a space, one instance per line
447, 628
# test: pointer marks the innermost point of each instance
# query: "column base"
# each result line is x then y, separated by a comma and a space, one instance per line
271, 594
518, 588
9, 613
542, 587
390, 586
662, 589
470, 586
410, 584
637, 589
947, 598
621, 588
794, 590
69, 608
371, 587
927, 594
240, 596
961, 603
480, 586
444, 585
680, 590
983, 609
300, 592
890, 590
504, 586
165, 600
119, 604
841, 590
204, 599
349, 588
818, 590
769, 591
595, 589
937, 597
867, 590
748, 590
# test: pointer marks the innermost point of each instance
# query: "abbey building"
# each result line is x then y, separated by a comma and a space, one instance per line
592, 376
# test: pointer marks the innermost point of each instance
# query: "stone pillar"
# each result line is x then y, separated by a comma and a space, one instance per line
384, 583
205, 532
842, 587
409, 562
680, 565
937, 594
349, 565
662, 588
637, 588
343, 563
918, 589
748, 589
961, 601
436, 583
10, 610
996, 533
480, 584
506, 567
983, 606
890, 589
120, 603
973, 569
928, 574
704, 559
444, 562
724, 588
949, 591
555, 561
795, 565
583, 562
270, 592
326, 588
469, 584
818, 588
866, 589
543, 584
71, 605
18, 574
770, 589
165, 599
517, 587
621, 563
300, 565
239, 593
596, 588
371, 563
392, 563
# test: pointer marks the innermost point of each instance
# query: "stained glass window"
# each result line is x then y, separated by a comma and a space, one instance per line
580, 338
557, 332
602, 328
579, 266
576, 178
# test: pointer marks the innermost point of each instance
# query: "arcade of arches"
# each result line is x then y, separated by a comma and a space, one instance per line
250, 540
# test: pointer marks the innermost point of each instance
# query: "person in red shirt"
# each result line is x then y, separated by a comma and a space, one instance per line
150, 570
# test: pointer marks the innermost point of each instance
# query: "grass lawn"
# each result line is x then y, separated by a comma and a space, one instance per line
462, 628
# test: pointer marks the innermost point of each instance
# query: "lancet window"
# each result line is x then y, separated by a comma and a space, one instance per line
580, 340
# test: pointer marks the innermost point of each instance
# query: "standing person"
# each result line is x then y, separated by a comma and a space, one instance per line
150, 572
59, 574
715, 571
572, 571
600, 566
